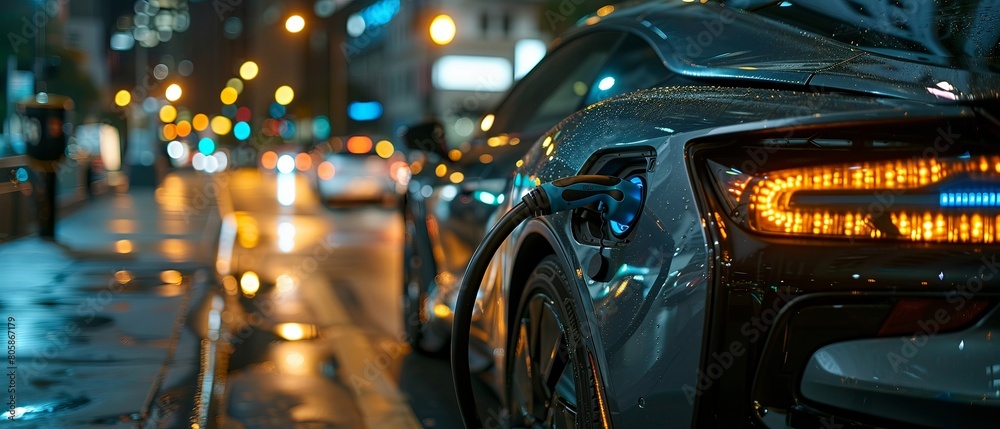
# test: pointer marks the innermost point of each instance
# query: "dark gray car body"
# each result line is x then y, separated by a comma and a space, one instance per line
682, 283
707, 324
655, 326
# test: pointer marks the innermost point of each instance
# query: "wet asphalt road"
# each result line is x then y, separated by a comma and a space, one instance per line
334, 274
128, 323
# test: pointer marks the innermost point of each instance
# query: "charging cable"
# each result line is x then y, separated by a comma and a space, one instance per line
620, 201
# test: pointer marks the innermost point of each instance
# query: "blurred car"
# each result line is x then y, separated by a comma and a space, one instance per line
356, 171
817, 240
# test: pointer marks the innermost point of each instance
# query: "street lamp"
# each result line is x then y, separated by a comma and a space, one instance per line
442, 29
295, 24
284, 95
123, 98
248, 70
168, 113
173, 92
228, 95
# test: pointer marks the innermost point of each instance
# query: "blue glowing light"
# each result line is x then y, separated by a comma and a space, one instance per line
241, 130
321, 127
276, 110
606, 83
229, 111
380, 13
364, 110
969, 199
206, 146
485, 197
21, 175
287, 130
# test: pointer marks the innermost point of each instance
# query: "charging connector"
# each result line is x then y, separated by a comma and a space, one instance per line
620, 201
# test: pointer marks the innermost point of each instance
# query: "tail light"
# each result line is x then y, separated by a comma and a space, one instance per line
914, 315
925, 199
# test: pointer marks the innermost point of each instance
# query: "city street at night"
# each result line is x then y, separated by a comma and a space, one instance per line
320, 347
484, 214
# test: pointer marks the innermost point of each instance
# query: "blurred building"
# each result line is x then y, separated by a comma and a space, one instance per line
405, 61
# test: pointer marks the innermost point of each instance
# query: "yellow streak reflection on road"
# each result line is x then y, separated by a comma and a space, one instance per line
296, 331
123, 246
250, 283
122, 226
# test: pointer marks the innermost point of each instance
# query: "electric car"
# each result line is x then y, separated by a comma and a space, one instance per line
450, 199
812, 244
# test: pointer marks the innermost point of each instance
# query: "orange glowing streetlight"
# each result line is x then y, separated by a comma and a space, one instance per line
442, 29
295, 24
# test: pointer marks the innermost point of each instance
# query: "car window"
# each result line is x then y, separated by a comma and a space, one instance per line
635, 65
557, 85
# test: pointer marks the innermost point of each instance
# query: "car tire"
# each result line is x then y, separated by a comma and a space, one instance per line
418, 322
551, 379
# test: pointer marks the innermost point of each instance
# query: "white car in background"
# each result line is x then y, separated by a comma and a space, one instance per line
360, 172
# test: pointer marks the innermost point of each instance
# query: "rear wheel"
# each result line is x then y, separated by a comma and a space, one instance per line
550, 376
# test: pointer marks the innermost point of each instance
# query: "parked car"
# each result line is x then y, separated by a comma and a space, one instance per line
817, 240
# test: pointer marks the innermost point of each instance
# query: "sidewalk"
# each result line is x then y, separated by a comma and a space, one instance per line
108, 322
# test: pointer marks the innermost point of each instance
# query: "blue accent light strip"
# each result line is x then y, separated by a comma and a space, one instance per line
969, 199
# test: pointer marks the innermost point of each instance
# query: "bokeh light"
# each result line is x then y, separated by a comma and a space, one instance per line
295, 24
442, 29
287, 129
235, 83
284, 95
487, 122
249, 70
198, 161
168, 113
286, 164
355, 25
183, 128
123, 98
222, 159
199, 122
303, 161
206, 145
169, 132
243, 114
241, 130
359, 144
276, 110
326, 170
269, 160
173, 92
324, 8
229, 111
123, 246
176, 149
384, 149
228, 95
250, 283
150, 105
221, 125
321, 127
